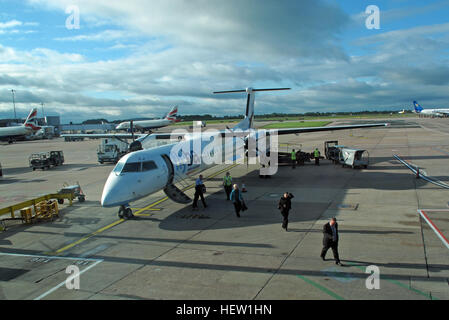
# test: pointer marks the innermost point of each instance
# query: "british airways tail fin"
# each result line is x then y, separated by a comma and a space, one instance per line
173, 114
31, 120
247, 122
418, 108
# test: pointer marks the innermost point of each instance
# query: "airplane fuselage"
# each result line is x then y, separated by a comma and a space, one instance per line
170, 163
12, 132
435, 111
145, 124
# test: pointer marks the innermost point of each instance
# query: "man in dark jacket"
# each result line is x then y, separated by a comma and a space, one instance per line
285, 204
199, 192
330, 239
237, 200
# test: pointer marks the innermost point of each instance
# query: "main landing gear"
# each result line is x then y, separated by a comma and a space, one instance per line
125, 212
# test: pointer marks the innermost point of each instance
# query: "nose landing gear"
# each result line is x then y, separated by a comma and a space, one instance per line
125, 212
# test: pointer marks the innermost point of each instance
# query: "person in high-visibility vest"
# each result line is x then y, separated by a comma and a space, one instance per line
227, 184
293, 159
316, 155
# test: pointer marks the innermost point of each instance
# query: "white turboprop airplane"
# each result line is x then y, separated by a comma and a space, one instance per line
143, 172
27, 128
432, 112
148, 125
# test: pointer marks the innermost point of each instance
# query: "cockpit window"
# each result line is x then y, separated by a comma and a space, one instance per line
134, 167
118, 168
148, 165
131, 167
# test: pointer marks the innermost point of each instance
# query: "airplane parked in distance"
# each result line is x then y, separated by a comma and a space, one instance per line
10, 134
431, 112
149, 125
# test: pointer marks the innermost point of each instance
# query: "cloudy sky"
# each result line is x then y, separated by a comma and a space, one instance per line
137, 58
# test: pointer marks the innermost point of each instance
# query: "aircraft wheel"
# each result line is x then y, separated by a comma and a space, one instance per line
125, 213
128, 213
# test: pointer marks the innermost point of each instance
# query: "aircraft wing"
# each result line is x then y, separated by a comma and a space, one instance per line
168, 135
157, 136
102, 135
331, 128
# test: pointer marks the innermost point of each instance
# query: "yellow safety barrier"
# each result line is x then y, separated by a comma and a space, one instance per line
35, 203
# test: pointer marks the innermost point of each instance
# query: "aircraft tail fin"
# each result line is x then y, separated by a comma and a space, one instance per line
31, 120
418, 108
247, 122
172, 115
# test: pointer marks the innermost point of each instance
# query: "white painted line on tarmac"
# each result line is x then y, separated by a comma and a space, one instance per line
64, 282
47, 257
442, 151
96, 261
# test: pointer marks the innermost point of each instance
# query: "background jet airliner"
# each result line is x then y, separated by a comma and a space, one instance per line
148, 125
146, 171
432, 112
28, 127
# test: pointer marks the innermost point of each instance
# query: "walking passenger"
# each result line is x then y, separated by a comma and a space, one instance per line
285, 204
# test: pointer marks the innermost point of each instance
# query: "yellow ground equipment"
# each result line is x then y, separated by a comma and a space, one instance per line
44, 210
47, 210
45, 207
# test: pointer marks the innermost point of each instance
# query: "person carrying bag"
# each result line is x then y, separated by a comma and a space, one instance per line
284, 205
237, 200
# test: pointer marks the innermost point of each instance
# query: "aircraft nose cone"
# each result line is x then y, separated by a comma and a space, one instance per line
106, 199
111, 193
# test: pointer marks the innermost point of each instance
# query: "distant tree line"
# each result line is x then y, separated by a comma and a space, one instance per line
206, 117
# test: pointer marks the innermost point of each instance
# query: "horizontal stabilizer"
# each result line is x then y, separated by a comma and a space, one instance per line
246, 90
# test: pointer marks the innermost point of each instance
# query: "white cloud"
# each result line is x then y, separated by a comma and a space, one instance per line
248, 27
10, 24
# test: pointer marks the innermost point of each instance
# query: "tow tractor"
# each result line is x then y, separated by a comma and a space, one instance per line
332, 151
44, 160
75, 190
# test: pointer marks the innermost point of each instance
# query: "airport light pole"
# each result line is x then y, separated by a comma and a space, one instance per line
43, 113
14, 104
